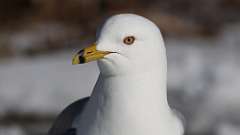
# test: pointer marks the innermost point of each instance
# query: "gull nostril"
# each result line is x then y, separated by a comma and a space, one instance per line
89, 52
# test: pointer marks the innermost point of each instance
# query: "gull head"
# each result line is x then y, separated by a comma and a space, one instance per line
126, 44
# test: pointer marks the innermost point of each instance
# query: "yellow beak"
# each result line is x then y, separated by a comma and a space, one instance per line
88, 54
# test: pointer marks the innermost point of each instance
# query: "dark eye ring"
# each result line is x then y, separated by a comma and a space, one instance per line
129, 40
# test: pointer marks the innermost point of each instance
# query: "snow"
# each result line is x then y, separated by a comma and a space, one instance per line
228, 129
44, 85
217, 101
11, 130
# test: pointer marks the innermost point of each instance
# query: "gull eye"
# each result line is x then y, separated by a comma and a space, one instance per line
129, 40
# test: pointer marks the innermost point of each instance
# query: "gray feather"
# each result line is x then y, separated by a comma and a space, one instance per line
63, 123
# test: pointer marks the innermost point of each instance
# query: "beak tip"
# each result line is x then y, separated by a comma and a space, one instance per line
75, 60
73, 63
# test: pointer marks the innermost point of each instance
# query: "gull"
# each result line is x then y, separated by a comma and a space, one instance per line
130, 95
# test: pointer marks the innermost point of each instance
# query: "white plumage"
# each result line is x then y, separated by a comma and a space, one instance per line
130, 96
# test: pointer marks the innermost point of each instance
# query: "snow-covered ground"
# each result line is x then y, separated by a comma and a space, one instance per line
44, 85
11, 130
203, 82
206, 76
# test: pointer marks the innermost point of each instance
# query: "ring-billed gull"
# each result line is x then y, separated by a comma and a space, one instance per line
130, 96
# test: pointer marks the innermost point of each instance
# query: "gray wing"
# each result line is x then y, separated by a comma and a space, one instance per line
63, 123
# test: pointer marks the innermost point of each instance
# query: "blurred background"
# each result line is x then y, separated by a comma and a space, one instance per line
39, 37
